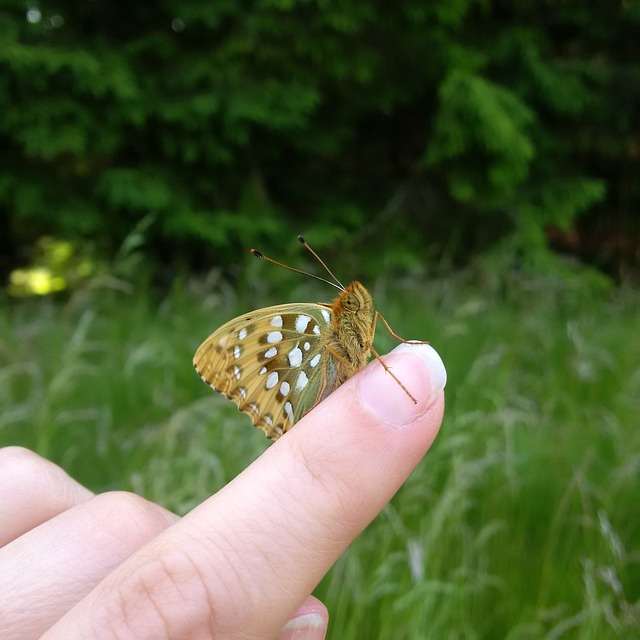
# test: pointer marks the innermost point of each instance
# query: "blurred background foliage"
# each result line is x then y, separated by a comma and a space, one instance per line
421, 131
450, 153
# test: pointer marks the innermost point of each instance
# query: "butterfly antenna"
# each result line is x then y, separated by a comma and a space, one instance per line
258, 254
319, 259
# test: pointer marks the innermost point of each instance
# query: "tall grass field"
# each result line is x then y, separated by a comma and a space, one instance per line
522, 522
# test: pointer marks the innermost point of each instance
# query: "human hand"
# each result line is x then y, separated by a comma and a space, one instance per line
240, 565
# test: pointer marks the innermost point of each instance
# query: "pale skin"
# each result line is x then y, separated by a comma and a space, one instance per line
242, 564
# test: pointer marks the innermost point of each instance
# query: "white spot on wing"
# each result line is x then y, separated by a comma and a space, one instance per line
242, 391
315, 360
276, 321
273, 337
301, 323
242, 334
295, 357
271, 353
326, 315
237, 371
306, 346
285, 387
302, 381
316, 330
262, 371
237, 352
288, 409
272, 380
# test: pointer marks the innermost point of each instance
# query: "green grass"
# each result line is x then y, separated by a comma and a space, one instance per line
523, 521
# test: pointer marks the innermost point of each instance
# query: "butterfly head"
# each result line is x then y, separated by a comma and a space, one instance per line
353, 303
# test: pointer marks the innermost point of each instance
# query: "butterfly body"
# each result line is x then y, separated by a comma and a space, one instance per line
352, 324
277, 363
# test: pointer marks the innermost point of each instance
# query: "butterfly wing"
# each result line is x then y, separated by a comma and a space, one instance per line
271, 363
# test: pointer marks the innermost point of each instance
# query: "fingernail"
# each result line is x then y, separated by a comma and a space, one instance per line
309, 626
421, 371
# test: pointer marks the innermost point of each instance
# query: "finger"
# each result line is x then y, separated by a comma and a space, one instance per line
236, 566
46, 571
309, 622
32, 490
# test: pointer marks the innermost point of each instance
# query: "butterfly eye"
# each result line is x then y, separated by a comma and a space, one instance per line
350, 303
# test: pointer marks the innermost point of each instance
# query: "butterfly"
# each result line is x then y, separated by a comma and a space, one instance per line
279, 362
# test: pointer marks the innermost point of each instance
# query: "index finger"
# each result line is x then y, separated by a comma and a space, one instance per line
242, 562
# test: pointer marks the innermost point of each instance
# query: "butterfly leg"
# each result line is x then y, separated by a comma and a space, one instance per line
377, 315
377, 355
336, 355
386, 368
391, 331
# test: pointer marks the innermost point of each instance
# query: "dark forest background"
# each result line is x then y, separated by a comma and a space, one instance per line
424, 132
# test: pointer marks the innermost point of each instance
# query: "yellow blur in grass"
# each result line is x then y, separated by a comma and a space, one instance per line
56, 266
38, 281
